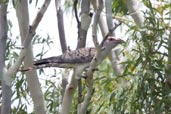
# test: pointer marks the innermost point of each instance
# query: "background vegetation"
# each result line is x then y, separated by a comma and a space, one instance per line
143, 87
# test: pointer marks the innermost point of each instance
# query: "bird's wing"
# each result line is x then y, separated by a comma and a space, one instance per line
68, 59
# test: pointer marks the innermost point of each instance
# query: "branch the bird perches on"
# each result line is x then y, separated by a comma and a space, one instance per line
78, 59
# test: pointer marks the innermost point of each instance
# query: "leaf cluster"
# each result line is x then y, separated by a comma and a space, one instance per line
119, 7
21, 96
142, 87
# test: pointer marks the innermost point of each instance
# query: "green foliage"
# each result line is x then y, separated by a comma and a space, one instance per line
52, 96
21, 100
142, 88
150, 94
43, 42
3, 1
20, 97
105, 81
119, 7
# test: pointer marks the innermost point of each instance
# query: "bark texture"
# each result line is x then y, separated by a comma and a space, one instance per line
6, 82
31, 76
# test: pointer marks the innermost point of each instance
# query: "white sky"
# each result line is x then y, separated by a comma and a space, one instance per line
48, 25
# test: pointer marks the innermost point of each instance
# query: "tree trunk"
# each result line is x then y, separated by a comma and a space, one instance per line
31, 76
6, 82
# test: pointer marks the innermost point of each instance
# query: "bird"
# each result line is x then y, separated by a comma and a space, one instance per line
78, 59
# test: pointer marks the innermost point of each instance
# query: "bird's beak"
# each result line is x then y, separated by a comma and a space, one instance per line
120, 41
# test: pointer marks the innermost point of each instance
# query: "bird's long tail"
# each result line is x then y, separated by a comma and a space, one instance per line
43, 63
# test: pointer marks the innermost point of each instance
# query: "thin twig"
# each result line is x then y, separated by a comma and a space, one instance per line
107, 35
76, 13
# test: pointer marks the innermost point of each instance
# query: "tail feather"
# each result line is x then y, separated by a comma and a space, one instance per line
40, 63
44, 61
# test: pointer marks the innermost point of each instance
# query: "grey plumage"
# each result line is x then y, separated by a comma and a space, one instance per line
79, 58
68, 59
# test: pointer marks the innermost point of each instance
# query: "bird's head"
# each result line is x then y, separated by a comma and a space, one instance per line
111, 42
108, 44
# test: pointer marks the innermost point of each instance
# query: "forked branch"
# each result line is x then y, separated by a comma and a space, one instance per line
29, 36
89, 80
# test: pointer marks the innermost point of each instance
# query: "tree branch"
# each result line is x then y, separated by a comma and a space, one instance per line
76, 13
110, 32
133, 7
30, 33
63, 42
95, 23
108, 7
3, 36
31, 76
113, 55
84, 24
82, 33
6, 89
61, 29
69, 93
89, 80
102, 21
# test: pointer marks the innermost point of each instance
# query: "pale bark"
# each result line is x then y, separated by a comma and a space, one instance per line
26, 43
6, 82
135, 12
84, 24
68, 95
31, 76
30, 33
107, 28
82, 33
3, 36
63, 43
118, 68
103, 26
109, 19
83, 27
82, 108
102, 21
60, 22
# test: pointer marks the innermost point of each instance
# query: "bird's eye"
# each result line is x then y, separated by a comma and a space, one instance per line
111, 39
